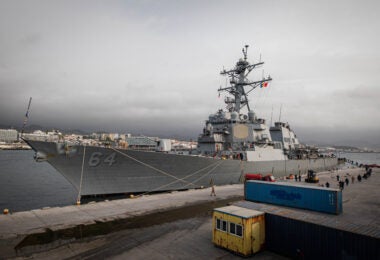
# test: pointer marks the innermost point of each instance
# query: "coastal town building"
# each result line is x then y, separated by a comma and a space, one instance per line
142, 142
39, 135
8, 135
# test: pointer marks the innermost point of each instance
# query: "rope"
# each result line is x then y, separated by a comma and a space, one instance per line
165, 173
207, 173
151, 167
162, 186
81, 175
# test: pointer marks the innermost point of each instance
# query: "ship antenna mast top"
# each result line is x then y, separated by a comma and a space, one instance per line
240, 85
245, 51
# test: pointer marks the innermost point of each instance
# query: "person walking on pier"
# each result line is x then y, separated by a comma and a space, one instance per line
368, 172
212, 188
341, 185
347, 181
352, 179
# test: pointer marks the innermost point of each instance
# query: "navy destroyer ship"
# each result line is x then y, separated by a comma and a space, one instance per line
233, 143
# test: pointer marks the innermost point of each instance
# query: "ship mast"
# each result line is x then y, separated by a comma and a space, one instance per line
26, 117
240, 86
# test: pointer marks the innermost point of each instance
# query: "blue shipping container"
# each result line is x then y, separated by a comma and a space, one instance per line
297, 196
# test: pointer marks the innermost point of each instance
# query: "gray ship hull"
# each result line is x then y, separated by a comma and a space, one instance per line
113, 171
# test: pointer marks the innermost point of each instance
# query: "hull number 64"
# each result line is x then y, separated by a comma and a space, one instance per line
96, 158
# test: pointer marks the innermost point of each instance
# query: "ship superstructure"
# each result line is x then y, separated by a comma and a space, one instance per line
235, 133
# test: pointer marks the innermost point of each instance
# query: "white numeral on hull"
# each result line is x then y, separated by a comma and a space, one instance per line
96, 159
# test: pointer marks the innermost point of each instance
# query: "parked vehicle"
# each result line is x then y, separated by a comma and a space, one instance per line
312, 177
259, 177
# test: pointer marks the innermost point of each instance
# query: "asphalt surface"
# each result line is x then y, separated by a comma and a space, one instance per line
182, 239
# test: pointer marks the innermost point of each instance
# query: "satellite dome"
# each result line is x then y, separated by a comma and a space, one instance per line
234, 115
251, 115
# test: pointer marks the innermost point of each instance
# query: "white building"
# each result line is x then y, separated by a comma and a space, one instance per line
8, 135
39, 135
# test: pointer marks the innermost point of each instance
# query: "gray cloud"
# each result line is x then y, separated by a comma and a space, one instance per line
153, 66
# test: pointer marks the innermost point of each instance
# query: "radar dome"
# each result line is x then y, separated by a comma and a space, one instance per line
234, 115
251, 115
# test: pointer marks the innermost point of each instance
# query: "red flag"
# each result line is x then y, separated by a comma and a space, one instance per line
264, 84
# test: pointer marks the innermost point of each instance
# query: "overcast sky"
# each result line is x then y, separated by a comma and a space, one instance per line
152, 67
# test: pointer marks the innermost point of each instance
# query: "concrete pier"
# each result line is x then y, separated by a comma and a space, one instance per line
169, 225
353, 234
25, 232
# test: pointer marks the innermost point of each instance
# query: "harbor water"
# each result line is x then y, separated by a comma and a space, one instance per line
27, 185
362, 158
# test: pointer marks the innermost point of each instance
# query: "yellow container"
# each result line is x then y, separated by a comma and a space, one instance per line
238, 229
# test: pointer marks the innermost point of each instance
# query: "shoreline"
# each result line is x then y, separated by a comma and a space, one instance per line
14, 147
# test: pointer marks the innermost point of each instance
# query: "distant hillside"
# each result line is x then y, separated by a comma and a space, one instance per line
345, 144
345, 147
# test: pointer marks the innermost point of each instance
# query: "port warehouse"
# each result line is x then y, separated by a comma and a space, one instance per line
296, 232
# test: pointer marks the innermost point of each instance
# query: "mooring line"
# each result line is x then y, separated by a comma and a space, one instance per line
187, 176
81, 176
151, 167
170, 175
207, 173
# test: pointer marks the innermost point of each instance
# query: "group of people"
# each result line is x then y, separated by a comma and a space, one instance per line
346, 181
368, 172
